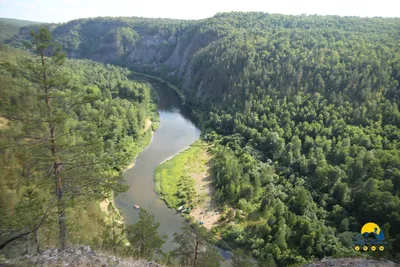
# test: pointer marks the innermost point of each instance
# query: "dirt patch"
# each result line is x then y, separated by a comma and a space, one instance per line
147, 125
130, 166
104, 205
145, 129
3, 123
206, 211
104, 208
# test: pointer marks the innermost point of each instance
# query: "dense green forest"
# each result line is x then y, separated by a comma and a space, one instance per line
11, 27
309, 119
73, 125
304, 111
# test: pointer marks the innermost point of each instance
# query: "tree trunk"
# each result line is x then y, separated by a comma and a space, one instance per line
24, 234
62, 227
57, 163
36, 241
196, 250
33, 243
114, 241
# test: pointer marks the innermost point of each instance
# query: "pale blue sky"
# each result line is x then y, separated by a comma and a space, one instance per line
65, 10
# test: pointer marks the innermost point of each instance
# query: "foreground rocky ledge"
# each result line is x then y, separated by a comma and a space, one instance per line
85, 256
76, 256
351, 262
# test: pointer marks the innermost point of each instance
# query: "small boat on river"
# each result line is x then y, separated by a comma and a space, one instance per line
136, 206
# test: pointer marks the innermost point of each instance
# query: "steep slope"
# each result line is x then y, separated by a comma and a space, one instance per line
166, 46
10, 27
304, 109
114, 109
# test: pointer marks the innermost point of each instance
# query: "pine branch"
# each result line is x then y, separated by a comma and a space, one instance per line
4, 244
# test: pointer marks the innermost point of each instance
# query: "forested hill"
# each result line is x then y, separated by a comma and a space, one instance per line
19, 22
304, 110
96, 116
10, 27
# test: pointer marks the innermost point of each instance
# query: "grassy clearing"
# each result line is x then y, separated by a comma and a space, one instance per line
174, 178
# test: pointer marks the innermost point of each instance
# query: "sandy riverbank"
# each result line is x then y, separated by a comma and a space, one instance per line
104, 204
206, 211
192, 162
3, 123
147, 126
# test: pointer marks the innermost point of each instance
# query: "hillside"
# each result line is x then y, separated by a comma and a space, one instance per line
19, 22
102, 115
304, 111
10, 27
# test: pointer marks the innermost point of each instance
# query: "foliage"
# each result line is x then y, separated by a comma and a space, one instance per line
19, 22
309, 122
172, 177
143, 236
195, 247
305, 112
114, 235
99, 114
10, 27
240, 259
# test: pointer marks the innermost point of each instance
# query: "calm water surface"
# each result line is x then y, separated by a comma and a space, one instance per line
175, 133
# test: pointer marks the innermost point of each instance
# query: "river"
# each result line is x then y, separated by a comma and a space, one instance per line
176, 132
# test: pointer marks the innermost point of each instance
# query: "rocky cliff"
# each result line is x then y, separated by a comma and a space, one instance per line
77, 256
166, 48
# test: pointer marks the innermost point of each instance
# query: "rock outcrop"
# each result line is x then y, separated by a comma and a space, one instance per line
76, 256
351, 262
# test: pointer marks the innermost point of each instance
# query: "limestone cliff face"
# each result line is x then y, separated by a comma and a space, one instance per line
164, 48
171, 55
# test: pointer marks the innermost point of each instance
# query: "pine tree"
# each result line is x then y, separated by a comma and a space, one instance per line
143, 236
194, 247
115, 233
240, 259
64, 155
49, 82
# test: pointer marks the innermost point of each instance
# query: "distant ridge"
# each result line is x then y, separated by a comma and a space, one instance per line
18, 22
10, 27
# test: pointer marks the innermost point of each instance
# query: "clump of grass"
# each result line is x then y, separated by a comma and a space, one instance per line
173, 180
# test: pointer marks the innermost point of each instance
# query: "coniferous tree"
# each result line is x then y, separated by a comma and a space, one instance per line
194, 247
65, 155
143, 236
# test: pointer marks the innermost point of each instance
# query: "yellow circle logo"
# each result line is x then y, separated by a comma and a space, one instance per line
381, 248
370, 228
373, 248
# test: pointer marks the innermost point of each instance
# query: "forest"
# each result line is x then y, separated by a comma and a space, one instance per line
303, 110
308, 125
84, 116
68, 130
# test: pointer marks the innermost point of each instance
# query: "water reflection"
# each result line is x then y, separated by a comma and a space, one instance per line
176, 131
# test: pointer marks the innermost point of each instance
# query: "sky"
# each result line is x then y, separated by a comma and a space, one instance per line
65, 10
